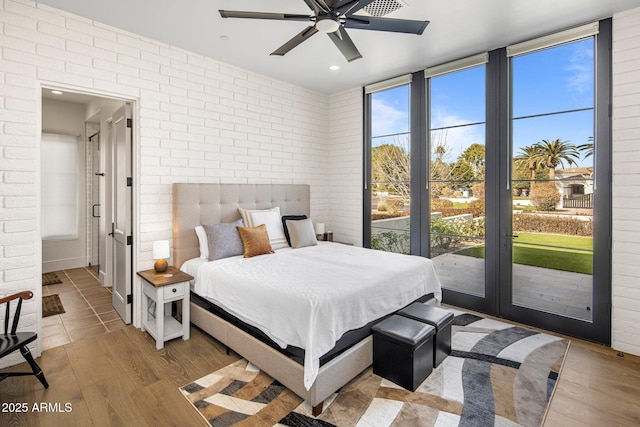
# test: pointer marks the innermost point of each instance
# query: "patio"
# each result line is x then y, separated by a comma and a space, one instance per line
554, 291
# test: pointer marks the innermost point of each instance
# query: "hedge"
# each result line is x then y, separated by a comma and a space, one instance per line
551, 224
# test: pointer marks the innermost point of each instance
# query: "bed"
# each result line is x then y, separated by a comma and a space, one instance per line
332, 358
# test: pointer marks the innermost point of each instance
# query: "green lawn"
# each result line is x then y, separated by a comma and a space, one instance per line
557, 252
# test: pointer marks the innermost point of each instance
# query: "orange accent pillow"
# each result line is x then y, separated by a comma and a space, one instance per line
255, 240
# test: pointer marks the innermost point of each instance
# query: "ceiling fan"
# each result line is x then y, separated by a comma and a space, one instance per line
333, 17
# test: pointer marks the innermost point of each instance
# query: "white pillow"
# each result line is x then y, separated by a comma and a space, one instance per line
302, 233
204, 243
244, 214
271, 219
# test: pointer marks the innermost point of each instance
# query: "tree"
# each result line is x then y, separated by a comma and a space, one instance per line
554, 153
439, 168
544, 195
587, 149
469, 167
390, 168
528, 158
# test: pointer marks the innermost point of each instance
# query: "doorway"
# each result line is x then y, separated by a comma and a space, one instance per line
89, 119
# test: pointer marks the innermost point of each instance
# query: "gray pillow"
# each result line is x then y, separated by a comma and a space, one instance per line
223, 240
302, 233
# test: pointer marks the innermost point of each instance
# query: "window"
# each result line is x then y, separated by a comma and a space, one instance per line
390, 168
457, 103
503, 150
59, 160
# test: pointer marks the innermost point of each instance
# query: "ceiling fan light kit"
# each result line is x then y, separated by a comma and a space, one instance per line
333, 17
327, 25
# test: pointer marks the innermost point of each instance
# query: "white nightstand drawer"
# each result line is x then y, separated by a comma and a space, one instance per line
173, 291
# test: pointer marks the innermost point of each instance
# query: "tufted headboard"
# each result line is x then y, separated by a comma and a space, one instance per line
196, 204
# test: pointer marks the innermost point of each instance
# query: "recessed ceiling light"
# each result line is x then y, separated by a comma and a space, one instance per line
56, 92
334, 67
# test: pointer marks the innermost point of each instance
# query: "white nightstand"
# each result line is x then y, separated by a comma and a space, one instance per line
164, 288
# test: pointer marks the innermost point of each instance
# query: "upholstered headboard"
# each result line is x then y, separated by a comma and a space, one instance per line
196, 204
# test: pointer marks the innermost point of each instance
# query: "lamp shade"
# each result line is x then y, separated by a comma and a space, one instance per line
161, 249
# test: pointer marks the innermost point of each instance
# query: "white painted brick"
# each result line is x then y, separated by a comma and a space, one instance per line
19, 201
129, 39
123, 90
22, 57
19, 177
22, 21
102, 64
23, 45
89, 70
173, 54
20, 104
64, 77
18, 250
626, 207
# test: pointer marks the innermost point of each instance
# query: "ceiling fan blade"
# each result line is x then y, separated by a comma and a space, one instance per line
295, 41
325, 5
263, 15
342, 40
386, 24
315, 6
349, 7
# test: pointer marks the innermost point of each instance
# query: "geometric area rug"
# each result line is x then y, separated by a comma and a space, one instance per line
497, 375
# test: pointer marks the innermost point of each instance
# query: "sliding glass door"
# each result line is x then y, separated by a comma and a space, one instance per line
554, 224
497, 167
457, 128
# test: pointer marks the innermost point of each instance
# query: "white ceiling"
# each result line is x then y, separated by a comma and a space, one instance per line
458, 28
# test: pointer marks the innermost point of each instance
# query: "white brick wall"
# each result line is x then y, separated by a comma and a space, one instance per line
199, 120
626, 181
345, 166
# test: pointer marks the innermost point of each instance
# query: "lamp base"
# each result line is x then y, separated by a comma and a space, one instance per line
160, 266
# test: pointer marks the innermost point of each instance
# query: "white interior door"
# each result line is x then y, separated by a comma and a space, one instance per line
121, 231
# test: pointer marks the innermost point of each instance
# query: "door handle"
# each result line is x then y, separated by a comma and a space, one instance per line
113, 230
93, 210
511, 236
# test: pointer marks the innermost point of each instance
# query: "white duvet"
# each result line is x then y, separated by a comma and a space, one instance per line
309, 297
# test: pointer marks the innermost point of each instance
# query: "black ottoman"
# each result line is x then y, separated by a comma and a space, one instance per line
440, 319
403, 351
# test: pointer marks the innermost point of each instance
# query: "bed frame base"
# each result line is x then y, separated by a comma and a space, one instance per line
331, 376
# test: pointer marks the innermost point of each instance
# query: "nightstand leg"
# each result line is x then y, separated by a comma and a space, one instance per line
185, 316
145, 310
159, 320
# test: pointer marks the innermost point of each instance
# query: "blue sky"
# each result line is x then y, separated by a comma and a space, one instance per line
548, 81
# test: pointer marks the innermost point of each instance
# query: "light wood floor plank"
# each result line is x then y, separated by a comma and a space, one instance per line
120, 379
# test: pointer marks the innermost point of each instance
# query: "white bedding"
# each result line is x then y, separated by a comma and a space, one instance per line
309, 297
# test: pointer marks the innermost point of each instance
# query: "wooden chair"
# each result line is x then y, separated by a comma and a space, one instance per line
12, 340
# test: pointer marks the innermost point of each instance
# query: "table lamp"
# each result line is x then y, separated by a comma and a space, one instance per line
160, 253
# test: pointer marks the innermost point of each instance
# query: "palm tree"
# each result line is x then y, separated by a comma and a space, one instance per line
554, 153
586, 148
528, 158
